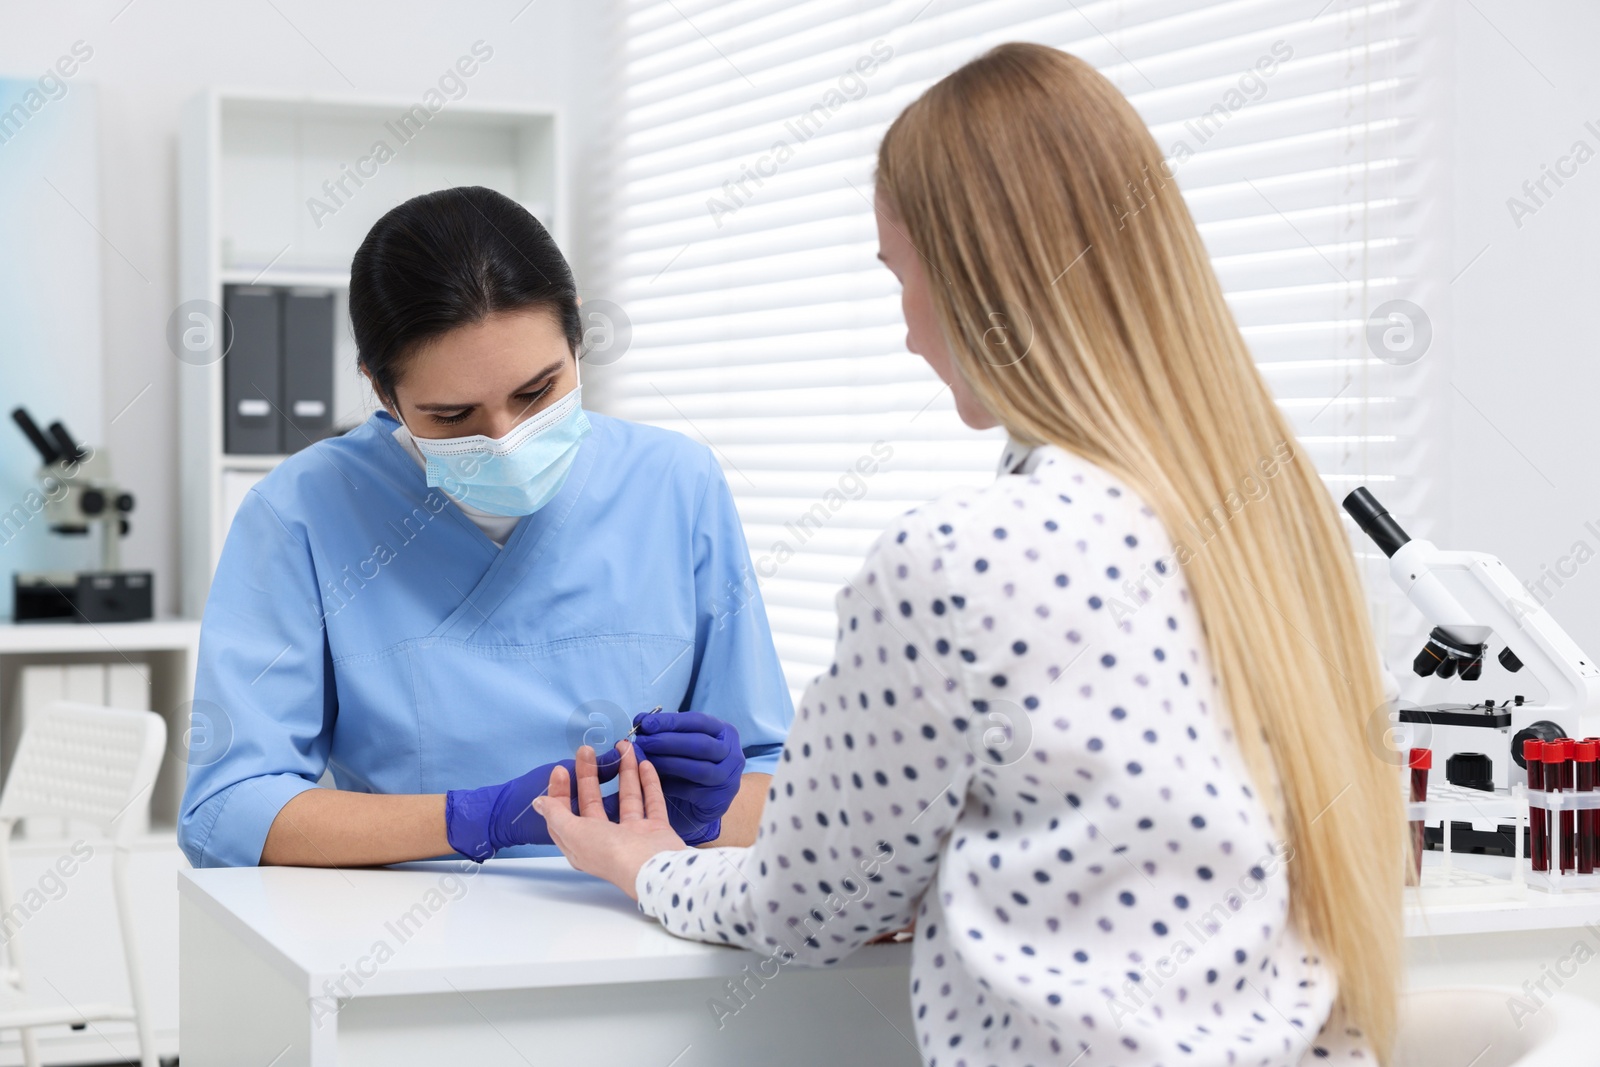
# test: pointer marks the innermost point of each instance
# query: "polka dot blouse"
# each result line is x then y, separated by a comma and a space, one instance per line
1019, 746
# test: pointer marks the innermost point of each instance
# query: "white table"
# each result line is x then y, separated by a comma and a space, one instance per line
522, 962
1503, 938
529, 962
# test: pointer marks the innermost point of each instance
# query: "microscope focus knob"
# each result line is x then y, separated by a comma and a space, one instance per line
1543, 730
92, 502
1470, 770
1509, 660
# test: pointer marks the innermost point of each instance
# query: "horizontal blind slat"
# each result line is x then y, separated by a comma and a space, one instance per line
764, 327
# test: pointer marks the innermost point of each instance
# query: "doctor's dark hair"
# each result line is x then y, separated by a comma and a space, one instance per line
448, 259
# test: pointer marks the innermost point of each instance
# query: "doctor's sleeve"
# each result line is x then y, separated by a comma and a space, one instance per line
736, 675
262, 719
871, 781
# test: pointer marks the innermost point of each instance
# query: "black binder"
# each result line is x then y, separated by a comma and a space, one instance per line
278, 372
307, 367
251, 383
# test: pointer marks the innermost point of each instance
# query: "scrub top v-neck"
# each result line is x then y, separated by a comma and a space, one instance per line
359, 623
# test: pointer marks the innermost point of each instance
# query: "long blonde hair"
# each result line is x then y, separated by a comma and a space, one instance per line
1051, 226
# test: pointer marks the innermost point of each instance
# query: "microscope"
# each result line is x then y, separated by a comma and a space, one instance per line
1471, 598
77, 495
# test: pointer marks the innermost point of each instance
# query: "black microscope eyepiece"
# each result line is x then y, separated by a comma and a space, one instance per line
1375, 521
48, 452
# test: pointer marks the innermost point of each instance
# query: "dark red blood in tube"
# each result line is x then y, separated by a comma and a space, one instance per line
1538, 818
1420, 761
1585, 753
1557, 759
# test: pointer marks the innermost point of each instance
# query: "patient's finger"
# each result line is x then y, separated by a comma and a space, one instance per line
555, 806
560, 785
655, 802
630, 803
590, 806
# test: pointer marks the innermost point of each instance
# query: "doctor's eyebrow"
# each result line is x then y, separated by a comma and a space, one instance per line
547, 372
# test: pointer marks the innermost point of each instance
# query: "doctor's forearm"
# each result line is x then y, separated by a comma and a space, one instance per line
743, 817
336, 828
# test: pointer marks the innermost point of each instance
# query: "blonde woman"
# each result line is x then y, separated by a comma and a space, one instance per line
1096, 729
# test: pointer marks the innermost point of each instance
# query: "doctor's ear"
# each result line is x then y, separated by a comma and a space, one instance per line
388, 404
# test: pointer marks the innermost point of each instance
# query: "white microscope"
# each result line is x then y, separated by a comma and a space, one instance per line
1471, 598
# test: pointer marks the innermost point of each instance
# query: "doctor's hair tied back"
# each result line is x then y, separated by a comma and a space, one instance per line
448, 259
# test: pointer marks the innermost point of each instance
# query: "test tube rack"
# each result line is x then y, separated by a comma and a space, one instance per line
1448, 803
1553, 803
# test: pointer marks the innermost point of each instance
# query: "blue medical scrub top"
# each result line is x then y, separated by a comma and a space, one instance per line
359, 622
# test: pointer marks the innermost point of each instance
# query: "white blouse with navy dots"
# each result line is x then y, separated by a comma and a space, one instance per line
1020, 746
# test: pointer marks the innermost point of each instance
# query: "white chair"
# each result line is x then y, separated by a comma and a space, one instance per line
91, 765
1453, 1027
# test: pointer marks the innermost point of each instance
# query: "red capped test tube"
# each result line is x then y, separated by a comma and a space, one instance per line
1420, 760
1584, 754
1569, 819
1594, 821
1557, 760
1538, 818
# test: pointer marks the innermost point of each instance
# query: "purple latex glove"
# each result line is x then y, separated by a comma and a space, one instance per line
700, 763
480, 822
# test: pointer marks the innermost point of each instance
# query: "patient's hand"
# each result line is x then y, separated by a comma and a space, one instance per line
591, 842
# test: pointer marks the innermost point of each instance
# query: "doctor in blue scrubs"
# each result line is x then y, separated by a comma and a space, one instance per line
439, 606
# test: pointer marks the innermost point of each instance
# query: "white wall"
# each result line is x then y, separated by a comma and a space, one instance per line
50, 336
1524, 378
1517, 343
152, 55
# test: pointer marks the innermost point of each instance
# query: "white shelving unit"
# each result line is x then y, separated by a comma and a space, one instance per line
280, 190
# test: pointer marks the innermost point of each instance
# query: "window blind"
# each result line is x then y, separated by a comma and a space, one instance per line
742, 243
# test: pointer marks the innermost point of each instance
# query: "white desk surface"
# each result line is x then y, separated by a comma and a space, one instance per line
153, 635
511, 924
534, 923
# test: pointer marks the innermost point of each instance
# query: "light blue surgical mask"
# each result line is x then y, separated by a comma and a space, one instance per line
512, 475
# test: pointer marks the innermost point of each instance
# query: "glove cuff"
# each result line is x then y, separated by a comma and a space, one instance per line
709, 832
466, 822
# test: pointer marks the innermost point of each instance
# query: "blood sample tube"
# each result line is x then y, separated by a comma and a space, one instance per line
1594, 820
1584, 754
1420, 761
1554, 757
1569, 819
1538, 818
